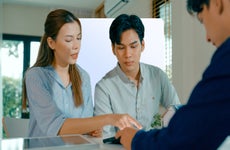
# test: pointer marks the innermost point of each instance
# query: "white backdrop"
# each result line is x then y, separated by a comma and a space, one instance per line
96, 55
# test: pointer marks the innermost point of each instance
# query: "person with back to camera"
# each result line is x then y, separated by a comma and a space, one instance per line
204, 122
58, 90
132, 87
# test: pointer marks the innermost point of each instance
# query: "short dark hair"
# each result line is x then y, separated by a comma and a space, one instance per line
125, 22
196, 6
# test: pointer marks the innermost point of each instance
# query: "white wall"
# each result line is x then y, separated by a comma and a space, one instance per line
142, 8
191, 52
23, 20
28, 20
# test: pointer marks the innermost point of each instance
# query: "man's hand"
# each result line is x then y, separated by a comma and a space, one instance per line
126, 136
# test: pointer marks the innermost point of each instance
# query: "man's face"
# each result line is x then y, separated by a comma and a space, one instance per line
212, 19
128, 52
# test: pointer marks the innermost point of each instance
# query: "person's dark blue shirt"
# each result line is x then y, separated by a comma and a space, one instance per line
204, 122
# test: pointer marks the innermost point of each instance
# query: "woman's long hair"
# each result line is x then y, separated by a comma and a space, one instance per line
54, 21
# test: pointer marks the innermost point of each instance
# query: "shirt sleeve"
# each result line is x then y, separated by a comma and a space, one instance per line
143, 140
102, 106
47, 116
169, 94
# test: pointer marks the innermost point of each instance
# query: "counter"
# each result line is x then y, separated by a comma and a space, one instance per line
67, 142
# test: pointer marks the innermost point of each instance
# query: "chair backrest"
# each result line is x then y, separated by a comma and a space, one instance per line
15, 127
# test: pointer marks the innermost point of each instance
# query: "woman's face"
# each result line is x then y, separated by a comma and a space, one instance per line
67, 45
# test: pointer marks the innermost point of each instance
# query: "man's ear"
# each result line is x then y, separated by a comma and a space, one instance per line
220, 6
142, 45
51, 43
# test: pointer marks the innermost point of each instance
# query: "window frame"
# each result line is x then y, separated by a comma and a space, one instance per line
166, 5
26, 51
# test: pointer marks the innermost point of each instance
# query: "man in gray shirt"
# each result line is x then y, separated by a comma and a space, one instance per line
132, 87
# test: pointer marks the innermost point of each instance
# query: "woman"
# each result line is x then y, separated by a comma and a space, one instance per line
58, 90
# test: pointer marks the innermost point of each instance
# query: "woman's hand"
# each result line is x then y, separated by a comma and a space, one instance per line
96, 133
124, 120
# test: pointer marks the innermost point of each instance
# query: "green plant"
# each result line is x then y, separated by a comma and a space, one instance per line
11, 96
157, 121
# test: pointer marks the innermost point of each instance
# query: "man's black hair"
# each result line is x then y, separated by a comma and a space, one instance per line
196, 6
125, 22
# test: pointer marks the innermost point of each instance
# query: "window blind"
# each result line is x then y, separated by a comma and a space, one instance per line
162, 9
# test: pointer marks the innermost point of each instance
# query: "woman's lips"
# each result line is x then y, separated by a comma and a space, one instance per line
74, 56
